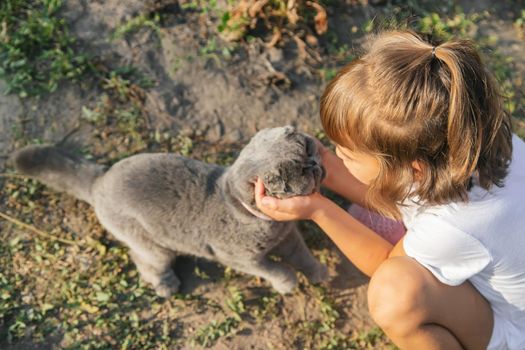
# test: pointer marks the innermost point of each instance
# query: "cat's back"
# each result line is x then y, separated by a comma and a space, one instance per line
158, 179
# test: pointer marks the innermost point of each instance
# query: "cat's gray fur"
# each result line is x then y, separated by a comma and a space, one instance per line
162, 204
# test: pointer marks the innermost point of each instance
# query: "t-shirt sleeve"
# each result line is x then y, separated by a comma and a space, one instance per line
450, 254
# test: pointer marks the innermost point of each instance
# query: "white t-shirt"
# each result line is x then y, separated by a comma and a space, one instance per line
482, 241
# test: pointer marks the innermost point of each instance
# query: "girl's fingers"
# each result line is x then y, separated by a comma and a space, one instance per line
259, 192
259, 187
260, 199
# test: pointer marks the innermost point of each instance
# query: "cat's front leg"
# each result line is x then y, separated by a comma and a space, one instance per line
281, 276
156, 269
294, 251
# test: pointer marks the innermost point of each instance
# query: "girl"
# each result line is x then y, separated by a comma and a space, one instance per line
422, 136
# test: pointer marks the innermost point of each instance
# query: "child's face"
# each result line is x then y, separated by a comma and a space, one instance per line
363, 166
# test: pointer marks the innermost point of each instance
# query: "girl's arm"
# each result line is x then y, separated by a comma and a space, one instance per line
365, 248
362, 246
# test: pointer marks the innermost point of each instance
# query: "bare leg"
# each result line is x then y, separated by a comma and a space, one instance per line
418, 312
295, 252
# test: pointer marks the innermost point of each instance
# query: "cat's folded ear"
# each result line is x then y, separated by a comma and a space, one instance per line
289, 130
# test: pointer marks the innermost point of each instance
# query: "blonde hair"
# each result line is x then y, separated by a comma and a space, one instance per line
408, 99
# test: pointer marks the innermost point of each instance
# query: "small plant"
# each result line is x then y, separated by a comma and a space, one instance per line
136, 23
371, 338
204, 6
236, 303
209, 51
328, 73
201, 274
207, 335
519, 24
339, 342
127, 82
458, 25
329, 313
275, 15
454, 22
36, 49
182, 144
268, 308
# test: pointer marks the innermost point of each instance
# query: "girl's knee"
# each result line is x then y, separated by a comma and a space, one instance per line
396, 294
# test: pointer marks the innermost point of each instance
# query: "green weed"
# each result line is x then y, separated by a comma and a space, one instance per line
457, 25
136, 23
201, 274
182, 144
241, 18
519, 24
328, 73
328, 312
36, 50
203, 6
208, 335
266, 308
236, 303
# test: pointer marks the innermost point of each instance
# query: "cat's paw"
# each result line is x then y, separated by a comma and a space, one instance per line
286, 286
167, 287
320, 274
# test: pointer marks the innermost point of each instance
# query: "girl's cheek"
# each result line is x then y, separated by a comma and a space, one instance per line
358, 171
351, 167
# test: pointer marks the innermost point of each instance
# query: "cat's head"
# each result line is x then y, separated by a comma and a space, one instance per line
287, 161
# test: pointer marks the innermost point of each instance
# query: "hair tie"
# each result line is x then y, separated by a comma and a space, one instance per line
433, 51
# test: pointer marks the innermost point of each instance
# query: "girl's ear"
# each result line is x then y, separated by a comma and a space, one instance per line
418, 167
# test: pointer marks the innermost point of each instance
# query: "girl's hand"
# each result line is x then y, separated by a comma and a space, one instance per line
295, 208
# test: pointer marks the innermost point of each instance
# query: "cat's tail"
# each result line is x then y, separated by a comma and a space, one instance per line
58, 168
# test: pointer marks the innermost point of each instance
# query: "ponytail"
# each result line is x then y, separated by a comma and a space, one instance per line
464, 134
476, 118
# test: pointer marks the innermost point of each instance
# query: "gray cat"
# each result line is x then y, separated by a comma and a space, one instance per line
163, 204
